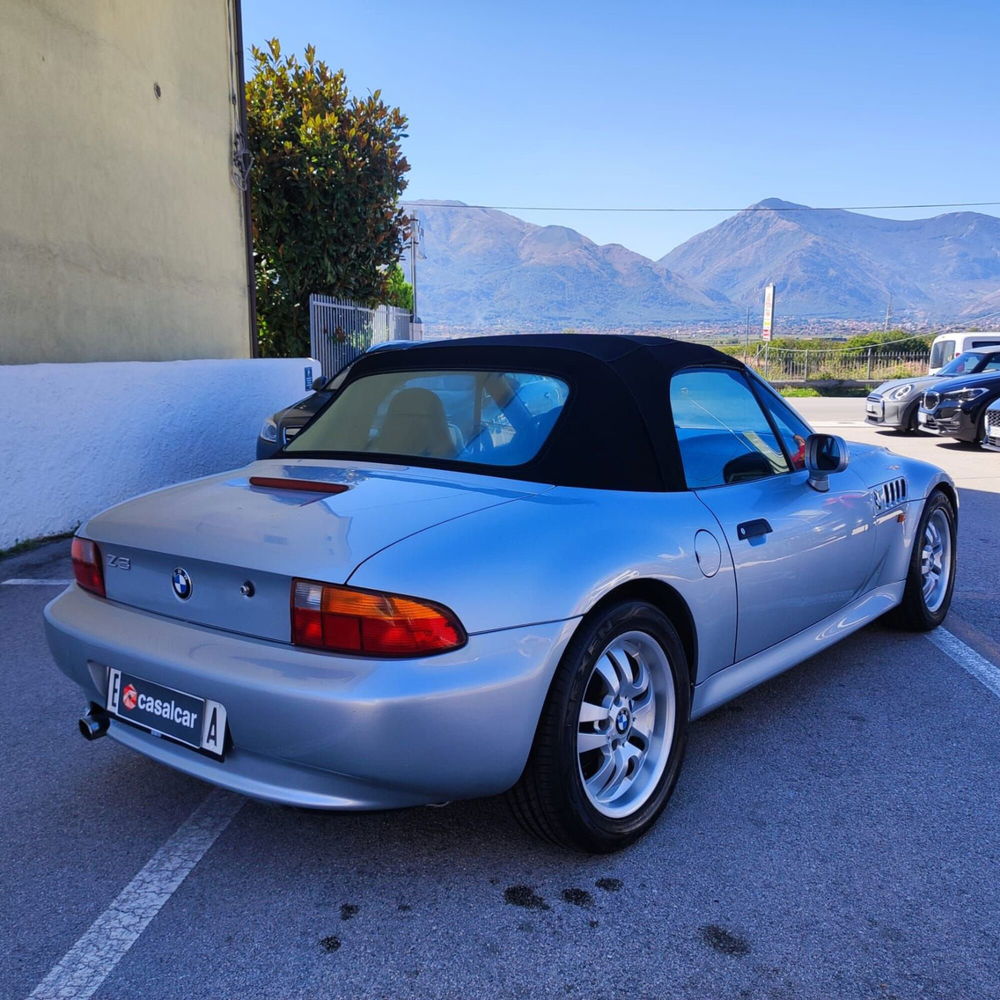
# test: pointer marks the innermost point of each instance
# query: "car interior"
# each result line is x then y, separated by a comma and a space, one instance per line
493, 418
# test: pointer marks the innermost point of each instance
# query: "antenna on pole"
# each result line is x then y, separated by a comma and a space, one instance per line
888, 315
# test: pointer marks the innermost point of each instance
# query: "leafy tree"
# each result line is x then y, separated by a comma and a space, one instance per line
399, 292
890, 342
325, 182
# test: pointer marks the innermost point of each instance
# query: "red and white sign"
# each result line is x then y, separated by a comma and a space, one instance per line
768, 312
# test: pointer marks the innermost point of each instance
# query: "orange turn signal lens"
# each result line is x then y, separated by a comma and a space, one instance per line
369, 622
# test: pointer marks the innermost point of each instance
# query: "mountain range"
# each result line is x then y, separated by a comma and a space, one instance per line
486, 269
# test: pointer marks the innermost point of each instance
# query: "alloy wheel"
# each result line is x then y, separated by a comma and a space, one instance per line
935, 559
626, 724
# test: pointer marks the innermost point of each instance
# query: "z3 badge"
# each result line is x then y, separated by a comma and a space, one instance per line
120, 562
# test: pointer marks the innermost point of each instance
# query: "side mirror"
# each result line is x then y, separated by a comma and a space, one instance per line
319, 383
826, 454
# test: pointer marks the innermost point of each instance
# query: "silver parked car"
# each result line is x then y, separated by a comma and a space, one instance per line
508, 564
991, 427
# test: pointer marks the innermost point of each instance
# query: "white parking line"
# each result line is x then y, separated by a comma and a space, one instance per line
988, 674
79, 974
36, 583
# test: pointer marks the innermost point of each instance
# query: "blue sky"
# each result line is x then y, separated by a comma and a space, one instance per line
645, 104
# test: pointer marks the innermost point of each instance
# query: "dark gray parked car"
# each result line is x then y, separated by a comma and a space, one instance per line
279, 428
894, 404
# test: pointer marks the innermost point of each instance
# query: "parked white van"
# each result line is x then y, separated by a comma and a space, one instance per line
948, 345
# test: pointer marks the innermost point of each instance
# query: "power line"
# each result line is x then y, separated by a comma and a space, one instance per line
751, 208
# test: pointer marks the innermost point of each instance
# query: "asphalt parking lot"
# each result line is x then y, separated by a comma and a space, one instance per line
834, 834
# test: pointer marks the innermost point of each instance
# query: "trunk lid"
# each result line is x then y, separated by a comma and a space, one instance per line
239, 545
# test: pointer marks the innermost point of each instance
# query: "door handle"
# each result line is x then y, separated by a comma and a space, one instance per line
753, 529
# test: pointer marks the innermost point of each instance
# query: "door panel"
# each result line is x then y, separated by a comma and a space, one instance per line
799, 555
814, 559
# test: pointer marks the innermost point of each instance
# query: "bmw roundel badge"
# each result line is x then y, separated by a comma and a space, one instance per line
182, 584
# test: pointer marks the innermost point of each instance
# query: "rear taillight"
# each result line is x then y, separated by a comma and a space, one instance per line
87, 565
370, 623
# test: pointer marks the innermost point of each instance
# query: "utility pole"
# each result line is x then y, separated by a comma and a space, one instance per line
416, 232
414, 239
888, 315
746, 340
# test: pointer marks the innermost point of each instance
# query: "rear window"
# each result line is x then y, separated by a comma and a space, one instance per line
488, 418
942, 351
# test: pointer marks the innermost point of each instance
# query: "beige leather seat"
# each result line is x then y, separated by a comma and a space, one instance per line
415, 424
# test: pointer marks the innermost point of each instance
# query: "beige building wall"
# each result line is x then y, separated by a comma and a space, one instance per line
121, 226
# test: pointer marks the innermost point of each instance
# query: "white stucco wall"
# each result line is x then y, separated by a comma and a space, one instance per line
79, 437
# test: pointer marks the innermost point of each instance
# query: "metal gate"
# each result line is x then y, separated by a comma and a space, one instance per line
857, 364
341, 330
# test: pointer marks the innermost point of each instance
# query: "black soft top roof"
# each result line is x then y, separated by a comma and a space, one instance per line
616, 430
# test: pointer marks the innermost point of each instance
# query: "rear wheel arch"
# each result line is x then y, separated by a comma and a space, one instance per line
666, 599
564, 794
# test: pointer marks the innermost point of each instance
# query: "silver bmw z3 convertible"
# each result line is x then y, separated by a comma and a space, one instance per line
514, 564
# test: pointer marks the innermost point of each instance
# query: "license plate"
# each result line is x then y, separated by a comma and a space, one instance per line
993, 433
921, 417
875, 409
195, 722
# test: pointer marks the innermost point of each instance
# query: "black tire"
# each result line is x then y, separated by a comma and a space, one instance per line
916, 613
551, 799
909, 423
981, 429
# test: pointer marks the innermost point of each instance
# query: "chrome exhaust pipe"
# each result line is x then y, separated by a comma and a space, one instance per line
95, 723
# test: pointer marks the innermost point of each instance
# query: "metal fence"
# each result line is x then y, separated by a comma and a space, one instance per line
865, 365
341, 330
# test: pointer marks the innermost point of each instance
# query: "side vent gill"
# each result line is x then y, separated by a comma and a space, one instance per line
893, 492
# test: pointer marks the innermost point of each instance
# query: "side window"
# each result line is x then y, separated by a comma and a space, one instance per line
723, 434
792, 428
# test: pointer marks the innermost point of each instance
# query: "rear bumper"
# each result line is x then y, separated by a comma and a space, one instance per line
319, 730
